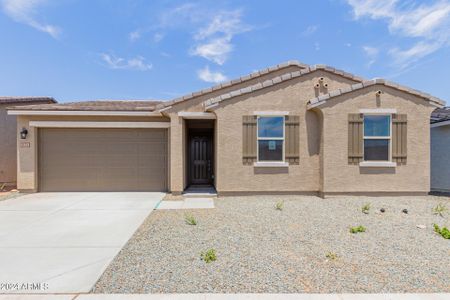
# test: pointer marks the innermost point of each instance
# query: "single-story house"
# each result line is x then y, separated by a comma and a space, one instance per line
8, 140
440, 150
288, 129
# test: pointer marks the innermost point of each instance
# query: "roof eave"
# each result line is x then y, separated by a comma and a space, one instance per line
82, 113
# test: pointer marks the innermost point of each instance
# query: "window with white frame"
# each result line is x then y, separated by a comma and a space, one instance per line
270, 138
377, 137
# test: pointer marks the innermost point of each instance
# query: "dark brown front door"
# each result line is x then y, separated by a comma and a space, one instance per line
201, 163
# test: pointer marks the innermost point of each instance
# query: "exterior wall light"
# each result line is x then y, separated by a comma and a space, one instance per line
23, 133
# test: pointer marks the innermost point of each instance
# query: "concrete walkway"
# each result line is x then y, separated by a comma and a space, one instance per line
187, 203
233, 296
63, 242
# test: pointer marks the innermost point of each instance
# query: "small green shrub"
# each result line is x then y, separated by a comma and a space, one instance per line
279, 205
440, 209
331, 255
190, 220
365, 209
444, 232
208, 256
357, 229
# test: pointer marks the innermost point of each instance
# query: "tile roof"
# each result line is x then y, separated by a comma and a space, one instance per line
440, 115
100, 105
234, 82
324, 98
13, 100
279, 79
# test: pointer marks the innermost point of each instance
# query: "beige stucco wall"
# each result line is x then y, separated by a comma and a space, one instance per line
231, 175
440, 158
7, 147
340, 177
27, 164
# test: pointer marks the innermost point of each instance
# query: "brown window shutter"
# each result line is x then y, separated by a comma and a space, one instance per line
399, 136
249, 139
292, 140
355, 138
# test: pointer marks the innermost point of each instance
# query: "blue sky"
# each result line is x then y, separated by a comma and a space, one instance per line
137, 49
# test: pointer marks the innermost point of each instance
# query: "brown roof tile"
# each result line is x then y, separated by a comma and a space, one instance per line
14, 100
99, 105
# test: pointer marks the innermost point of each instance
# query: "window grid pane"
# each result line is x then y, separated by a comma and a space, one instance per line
270, 127
375, 125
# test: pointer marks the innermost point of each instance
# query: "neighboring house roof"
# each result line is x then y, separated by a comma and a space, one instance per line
100, 105
234, 82
440, 115
325, 98
14, 100
279, 79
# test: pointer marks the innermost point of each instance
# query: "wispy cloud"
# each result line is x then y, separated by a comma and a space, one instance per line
310, 30
26, 12
213, 30
134, 35
371, 53
427, 23
214, 40
157, 37
206, 75
136, 63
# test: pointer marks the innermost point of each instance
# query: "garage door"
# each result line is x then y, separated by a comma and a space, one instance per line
102, 159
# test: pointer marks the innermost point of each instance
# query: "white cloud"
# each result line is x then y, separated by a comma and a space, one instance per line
310, 30
134, 35
206, 75
214, 40
136, 63
25, 11
212, 30
157, 37
371, 53
428, 23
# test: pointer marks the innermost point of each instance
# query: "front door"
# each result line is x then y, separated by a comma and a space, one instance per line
201, 165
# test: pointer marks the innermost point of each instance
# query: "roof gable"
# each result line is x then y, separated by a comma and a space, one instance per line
233, 82
209, 103
321, 100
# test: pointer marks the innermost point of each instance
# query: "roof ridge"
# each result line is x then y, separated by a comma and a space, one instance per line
232, 82
323, 98
278, 79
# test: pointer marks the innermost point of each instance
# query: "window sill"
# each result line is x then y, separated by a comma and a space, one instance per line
271, 164
378, 164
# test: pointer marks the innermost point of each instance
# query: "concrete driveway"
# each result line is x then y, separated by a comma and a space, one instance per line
62, 242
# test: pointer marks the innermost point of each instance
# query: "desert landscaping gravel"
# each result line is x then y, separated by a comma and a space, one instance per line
261, 249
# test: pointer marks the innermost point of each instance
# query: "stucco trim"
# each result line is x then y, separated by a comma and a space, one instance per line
260, 164
378, 164
196, 115
82, 113
271, 113
439, 124
213, 102
82, 124
380, 111
321, 100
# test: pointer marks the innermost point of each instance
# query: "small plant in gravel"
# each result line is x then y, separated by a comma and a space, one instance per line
440, 209
444, 232
365, 209
208, 256
331, 255
357, 229
190, 220
279, 205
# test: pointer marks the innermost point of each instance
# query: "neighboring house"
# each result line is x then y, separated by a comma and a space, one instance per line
8, 140
289, 129
440, 150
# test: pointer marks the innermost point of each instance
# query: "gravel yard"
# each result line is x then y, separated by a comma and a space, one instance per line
261, 249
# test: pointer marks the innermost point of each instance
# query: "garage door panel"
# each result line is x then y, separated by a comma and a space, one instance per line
102, 159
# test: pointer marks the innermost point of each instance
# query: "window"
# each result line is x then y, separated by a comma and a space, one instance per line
270, 139
377, 137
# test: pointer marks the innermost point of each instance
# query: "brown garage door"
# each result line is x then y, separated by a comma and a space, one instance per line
102, 159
